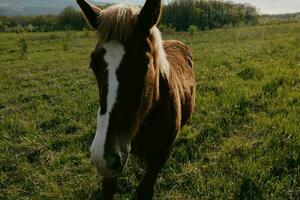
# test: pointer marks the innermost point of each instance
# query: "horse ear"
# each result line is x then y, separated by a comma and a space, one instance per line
150, 14
91, 13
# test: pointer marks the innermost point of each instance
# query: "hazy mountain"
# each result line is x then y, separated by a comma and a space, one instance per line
139, 2
43, 7
32, 7
282, 17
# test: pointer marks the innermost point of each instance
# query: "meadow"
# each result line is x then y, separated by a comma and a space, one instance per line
243, 141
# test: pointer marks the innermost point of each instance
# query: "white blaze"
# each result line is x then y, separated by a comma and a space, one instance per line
113, 57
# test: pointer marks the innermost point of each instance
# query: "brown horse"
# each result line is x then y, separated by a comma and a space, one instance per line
146, 88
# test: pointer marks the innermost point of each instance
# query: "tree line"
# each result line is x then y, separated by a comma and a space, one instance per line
179, 15
69, 18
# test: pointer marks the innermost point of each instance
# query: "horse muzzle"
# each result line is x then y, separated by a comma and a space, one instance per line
111, 165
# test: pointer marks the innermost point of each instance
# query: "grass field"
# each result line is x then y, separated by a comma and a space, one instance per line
243, 141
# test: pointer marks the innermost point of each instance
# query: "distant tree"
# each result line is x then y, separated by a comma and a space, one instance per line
71, 19
44, 23
19, 28
30, 28
2, 28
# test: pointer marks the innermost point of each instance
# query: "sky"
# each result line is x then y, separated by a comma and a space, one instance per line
264, 6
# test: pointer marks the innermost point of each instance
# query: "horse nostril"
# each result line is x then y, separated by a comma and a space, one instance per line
113, 161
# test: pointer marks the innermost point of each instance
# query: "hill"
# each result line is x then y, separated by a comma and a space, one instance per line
284, 16
280, 18
32, 7
36, 7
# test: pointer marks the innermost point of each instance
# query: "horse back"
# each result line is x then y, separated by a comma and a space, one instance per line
181, 78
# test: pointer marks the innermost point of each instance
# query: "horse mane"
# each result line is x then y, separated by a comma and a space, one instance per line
117, 21
161, 55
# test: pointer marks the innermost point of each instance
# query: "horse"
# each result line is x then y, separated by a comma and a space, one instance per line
146, 91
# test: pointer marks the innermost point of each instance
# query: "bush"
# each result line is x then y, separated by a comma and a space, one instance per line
23, 49
66, 40
166, 28
72, 19
192, 29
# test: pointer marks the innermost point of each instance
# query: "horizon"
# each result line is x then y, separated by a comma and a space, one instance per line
264, 7
271, 7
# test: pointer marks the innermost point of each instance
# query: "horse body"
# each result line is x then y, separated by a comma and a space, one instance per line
171, 110
146, 89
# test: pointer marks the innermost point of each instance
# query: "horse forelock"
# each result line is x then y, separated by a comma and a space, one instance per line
117, 21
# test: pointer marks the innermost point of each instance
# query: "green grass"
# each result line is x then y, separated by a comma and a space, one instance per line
243, 141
